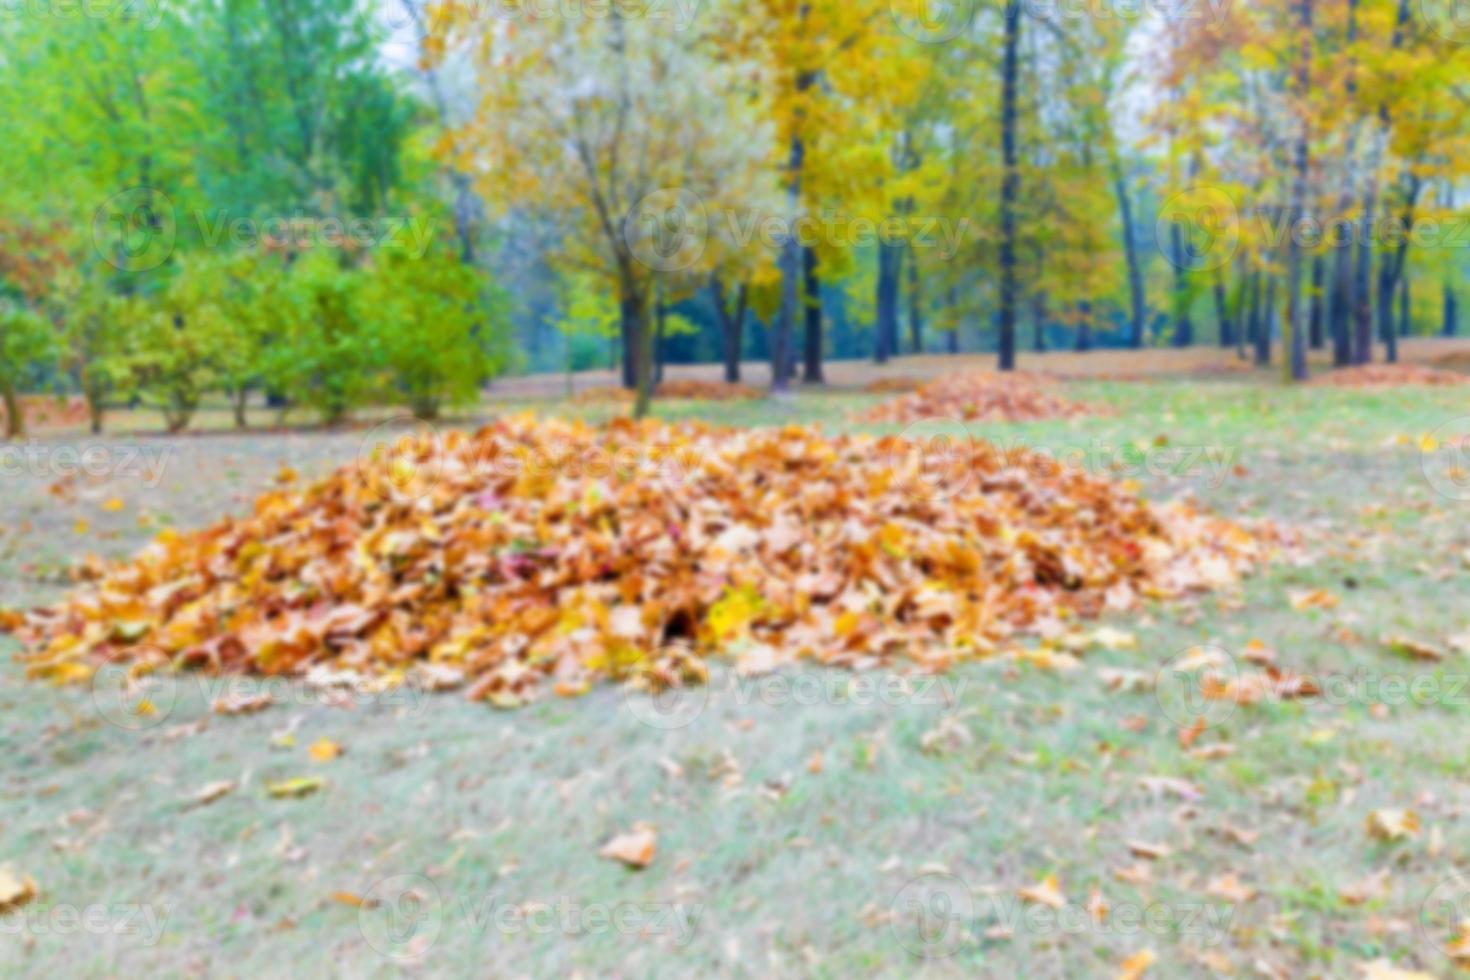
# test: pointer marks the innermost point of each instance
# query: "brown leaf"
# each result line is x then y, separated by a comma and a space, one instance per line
636, 848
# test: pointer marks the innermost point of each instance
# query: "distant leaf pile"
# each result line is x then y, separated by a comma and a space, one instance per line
547, 554
974, 396
1386, 375
688, 388
47, 411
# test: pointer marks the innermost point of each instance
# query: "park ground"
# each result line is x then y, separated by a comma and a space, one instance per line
818, 823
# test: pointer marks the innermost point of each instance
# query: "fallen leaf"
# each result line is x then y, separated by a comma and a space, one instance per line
324, 750
635, 848
15, 890
1414, 649
241, 703
297, 787
1136, 965
1230, 888
1392, 824
213, 791
1048, 892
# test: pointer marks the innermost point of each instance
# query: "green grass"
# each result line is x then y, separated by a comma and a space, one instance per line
777, 869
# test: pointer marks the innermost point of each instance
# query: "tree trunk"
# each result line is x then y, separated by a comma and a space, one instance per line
1183, 325
1405, 306
628, 308
241, 394
792, 284
659, 353
1268, 322
889, 258
732, 326
1253, 323
812, 353
1038, 321
1295, 298
1130, 252
1451, 324
1317, 334
639, 340
1363, 309
1009, 190
15, 420
1341, 319
1222, 309
1084, 326
916, 304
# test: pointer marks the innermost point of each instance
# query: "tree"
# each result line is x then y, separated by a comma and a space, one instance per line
28, 344
595, 125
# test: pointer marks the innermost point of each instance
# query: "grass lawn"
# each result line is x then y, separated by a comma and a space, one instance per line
816, 823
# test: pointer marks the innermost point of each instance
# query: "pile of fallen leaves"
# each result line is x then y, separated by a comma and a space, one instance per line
710, 391
713, 391
1009, 397
548, 554
1384, 375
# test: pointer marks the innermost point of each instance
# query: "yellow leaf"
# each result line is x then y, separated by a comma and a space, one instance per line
113, 504
635, 849
1048, 892
300, 786
1392, 825
15, 890
324, 750
1136, 965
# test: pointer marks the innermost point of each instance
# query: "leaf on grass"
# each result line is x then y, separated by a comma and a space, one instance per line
213, 791
1047, 891
241, 704
1230, 888
1145, 849
1412, 648
294, 788
1136, 965
1304, 599
636, 848
15, 890
1382, 969
1393, 824
324, 750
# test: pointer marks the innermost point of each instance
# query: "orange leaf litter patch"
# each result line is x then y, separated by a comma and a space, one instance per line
1385, 375
973, 396
680, 388
546, 555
